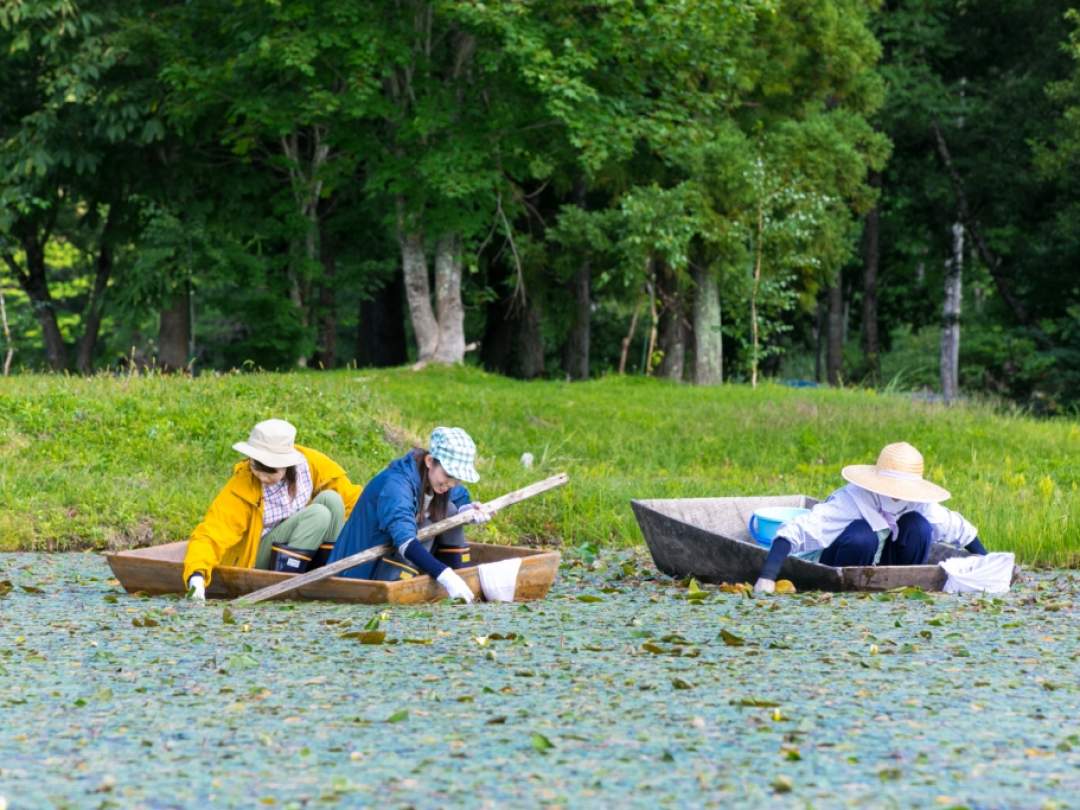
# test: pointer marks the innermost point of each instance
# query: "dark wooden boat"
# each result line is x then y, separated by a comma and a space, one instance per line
707, 538
159, 570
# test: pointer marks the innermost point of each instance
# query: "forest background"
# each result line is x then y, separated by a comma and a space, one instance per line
820, 190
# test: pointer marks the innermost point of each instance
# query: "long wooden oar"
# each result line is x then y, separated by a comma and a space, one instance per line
300, 580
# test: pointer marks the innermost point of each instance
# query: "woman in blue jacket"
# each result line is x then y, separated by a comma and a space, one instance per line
421, 487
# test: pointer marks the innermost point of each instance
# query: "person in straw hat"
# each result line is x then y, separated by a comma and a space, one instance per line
888, 514
421, 487
281, 504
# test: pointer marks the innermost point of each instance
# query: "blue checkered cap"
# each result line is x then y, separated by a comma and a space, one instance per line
456, 452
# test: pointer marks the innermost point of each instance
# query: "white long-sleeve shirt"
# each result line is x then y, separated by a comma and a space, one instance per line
813, 532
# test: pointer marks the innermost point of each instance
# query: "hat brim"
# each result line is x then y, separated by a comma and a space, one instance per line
263, 456
916, 491
462, 472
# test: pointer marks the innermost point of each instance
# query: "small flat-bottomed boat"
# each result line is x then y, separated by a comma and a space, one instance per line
708, 538
159, 570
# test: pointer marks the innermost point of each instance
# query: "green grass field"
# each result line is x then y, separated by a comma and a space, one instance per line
121, 461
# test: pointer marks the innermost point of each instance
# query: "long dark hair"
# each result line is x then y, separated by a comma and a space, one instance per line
290, 475
439, 503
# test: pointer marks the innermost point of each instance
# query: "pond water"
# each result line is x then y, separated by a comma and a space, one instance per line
616, 689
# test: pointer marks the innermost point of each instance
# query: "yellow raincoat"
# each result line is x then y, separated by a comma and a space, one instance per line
232, 528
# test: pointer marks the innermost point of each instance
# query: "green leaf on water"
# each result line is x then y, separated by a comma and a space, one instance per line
144, 621
757, 703
111, 598
674, 638
589, 597
242, 661
731, 639
915, 592
31, 589
782, 784
367, 636
376, 621
693, 589
418, 640
541, 743
398, 716
5, 588
679, 683
227, 616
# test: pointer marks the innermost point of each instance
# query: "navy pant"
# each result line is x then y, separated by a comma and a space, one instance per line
857, 544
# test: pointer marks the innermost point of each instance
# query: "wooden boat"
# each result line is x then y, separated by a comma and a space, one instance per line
707, 538
159, 570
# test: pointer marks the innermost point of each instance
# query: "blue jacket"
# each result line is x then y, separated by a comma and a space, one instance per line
385, 513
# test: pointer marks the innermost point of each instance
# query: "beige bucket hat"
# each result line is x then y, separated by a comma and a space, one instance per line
897, 474
271, 443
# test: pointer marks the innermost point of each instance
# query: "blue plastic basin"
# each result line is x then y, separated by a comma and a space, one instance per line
766, 522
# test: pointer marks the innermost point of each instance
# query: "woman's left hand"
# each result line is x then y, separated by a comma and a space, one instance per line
478, 512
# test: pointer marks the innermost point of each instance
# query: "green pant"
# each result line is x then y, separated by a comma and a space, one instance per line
317, 523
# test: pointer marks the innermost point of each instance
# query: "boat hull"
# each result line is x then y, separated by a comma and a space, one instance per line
159, 570
707, 538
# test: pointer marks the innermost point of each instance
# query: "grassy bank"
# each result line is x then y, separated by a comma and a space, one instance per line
112, 461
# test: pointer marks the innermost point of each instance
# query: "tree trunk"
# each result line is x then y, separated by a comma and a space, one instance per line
871, 258
708, 337
381, 335
9, 348
513, 339
531, 342
449, 308
650, 343
950, 317
84, 360
174, 331
834, 358
821, 329
626, 341
418, 294
576, 353
759, 238
34, 283
672, 330
326, 351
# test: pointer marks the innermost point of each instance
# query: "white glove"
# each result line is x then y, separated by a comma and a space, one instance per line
455, 585
765, 585
478, 512
196, 587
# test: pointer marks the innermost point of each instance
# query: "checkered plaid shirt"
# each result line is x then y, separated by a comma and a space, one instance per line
276, 504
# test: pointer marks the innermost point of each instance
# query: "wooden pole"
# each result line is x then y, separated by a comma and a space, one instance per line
300, 580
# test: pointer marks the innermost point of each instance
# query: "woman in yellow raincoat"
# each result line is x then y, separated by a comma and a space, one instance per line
281, 505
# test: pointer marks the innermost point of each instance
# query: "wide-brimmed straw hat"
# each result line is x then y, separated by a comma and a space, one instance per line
271, 443
897, 474
456, 452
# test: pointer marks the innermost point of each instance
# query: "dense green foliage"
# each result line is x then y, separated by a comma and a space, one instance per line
691, 189
116, 461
